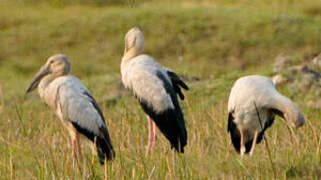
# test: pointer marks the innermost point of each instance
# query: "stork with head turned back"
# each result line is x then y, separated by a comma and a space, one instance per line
74, 105
156, 89
252, 106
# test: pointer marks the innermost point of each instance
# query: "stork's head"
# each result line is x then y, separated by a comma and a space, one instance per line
134, 39
56, 65
294, 115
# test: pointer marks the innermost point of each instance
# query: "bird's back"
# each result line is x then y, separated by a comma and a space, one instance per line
142, 76
250, 89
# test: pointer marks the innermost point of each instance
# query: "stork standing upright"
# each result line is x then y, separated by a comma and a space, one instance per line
252, 106
156, 89
74, 105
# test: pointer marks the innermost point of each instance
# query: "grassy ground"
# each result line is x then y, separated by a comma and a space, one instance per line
218, 42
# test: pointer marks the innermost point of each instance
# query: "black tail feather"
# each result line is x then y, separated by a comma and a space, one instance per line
103, 143
168, 123
104, 150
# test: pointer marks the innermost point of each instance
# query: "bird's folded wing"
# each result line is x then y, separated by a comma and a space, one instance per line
177, 83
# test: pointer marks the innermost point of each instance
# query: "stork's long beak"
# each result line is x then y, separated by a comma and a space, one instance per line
44, 70
126, 48
129, 46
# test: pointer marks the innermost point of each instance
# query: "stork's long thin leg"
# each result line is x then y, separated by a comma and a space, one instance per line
154, 133
78, 149
242, 143
93, 150
151, 135
74, 153
254, 142
73, 137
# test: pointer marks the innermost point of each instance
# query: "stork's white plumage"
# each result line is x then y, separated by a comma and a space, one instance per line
156, 88
74, 105
252, 96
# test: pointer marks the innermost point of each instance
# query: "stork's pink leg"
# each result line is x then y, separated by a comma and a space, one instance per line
254, 142
74, 141
151, 135
78, 149
242, 143
154, 133
74, 153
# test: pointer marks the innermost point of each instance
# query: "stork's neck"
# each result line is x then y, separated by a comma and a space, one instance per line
281, 103
45, 82
289, 109
130, 54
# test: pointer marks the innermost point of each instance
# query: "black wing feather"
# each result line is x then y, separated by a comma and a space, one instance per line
234, 132
177, 83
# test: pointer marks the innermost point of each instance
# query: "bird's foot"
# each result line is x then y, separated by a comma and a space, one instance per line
242, 151
93, 159
148, 151
251, 153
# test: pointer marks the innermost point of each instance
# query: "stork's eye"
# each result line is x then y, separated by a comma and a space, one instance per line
50, 62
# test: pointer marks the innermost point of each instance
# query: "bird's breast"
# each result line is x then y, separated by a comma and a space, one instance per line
250, 120
49, 93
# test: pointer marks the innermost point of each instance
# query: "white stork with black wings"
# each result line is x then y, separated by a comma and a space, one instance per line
156, 88
74, 105
252, 106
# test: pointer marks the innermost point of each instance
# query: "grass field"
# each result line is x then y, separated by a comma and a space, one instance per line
216, 41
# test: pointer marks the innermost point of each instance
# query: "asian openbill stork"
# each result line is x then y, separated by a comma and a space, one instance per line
74, 105
156, 89
252, 106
